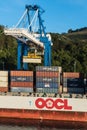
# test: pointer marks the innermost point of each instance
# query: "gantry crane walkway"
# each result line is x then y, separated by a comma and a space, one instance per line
21, 32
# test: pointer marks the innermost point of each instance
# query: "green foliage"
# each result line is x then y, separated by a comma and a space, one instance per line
8, 51
68, 50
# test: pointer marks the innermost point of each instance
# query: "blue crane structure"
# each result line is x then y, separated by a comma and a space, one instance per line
30, 29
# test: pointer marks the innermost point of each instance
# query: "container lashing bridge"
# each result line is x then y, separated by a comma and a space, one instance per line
30, 34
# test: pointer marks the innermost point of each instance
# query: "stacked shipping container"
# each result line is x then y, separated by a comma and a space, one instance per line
47, 79
21, 81
86, 87
73, 82
3, 81
85, 84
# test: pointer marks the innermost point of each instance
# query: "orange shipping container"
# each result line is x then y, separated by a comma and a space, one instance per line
21, 84
47, 74
21, 73
71, 75
3, 89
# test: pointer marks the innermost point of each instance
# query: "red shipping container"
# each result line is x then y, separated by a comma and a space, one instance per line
21, 84
47, 74
21, 73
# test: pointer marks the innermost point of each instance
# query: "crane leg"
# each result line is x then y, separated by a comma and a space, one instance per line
19, 55
25, 52
47, 54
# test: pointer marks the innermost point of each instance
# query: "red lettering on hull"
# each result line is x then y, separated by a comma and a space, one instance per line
49, 103
66, 106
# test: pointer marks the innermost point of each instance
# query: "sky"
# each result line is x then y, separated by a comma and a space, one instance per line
59, 16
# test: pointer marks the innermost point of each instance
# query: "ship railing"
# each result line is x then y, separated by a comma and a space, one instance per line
54, 95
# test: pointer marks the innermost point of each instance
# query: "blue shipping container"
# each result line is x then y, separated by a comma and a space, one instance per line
75, 90
46, 85
46, 79
21, 89
21, 79
47, 68
47, 90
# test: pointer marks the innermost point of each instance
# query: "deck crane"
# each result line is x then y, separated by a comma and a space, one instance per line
30, 32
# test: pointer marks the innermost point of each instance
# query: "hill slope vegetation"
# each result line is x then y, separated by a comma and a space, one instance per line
69, 50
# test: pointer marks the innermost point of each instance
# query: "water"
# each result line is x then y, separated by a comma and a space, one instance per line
9, 127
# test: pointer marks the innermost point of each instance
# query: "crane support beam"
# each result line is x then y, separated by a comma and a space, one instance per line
25, 52
19, 58
16, 32
47, 50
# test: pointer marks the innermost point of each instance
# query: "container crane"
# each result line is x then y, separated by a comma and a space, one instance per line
30, 31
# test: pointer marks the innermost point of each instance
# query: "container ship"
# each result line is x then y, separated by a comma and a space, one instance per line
47, 97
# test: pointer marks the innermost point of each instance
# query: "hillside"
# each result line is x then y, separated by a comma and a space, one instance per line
78, 34
69, 50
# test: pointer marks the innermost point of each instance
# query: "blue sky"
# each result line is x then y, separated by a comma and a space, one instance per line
59, 16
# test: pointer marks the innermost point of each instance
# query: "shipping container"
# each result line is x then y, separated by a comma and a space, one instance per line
76, 90
3, 84
49, 68
73, 90
85, 82
21, 73
3, 78
66, 84
73, 82
47, 74
46, 85
21, 79
47, 79
21, 89
46, 90
86, 90
21, 84
3, 81
3, 89
3, 73
71, 75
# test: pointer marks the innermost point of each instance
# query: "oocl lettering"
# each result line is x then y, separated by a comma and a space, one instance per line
49, 103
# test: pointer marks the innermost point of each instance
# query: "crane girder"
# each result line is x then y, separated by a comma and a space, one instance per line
18, 33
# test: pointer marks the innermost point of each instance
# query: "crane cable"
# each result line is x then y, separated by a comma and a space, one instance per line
33, 19
21, 19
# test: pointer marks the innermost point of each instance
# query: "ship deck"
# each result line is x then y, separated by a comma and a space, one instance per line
62, 95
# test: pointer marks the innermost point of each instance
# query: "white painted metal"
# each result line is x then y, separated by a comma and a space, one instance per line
20, 102
23, 33
38, 36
